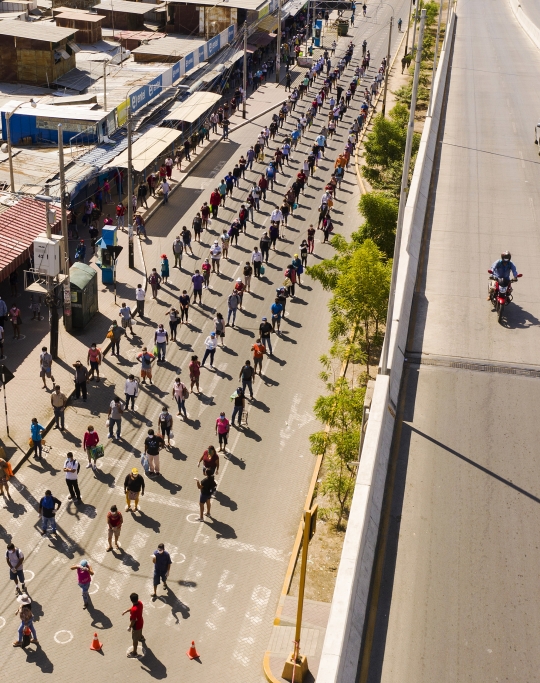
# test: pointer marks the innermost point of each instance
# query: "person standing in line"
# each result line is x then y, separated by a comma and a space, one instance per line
183, 300
198, 282
125, 318
246, 375
210, 460
116, 409
277, 309
232, 304
186, 239
2, 339
154, 281
211, 344
164, 268
24, 612
304, 246
256, 260
45, 366
161, 339
219, 328
264, 244
178, 250
180, 393
165, 421
259, 349
84, 579
90, 441
146, 359
174, 319
115, 334
72, 468
94, 360
59, 402
207, 487
140, 296
36, 433
311, 238
215, 254
131, 390
166, 189
222, 431
133, 488
6, 472
48, 506
136, 623
162, 566
81, 377
153, 444
265, 330
15, 560
239, 405
114, 526
194, 372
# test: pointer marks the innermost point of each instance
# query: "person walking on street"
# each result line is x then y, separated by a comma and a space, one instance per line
45, 366
239, 405
116, 409
84, 579
207, 487
154, 281
125, 318
90, 441
194, 372
146, 359
15, 560
115, 334
114, 526
72, 468
94, 360
24, 612
59, 402
153, 444
133, 488
36, 433
246, 375
222, 431
265, 330
140, 296
136, 623
48, 506
211, 344
131, 391
162, 566
161, 339
81, 377
259, 349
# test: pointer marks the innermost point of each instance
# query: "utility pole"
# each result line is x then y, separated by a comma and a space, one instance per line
408, 27
11, 173
68, 320
414, 30
307, 27
435, 60
244, 80
278, 51
402, 198
387, 74
446, 27
131, 257
105, 85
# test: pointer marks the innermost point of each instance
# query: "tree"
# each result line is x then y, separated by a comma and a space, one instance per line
380, 211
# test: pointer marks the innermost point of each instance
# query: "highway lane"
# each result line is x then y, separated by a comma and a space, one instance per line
532, 10
459, 561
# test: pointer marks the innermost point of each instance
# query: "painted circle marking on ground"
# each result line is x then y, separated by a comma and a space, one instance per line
180, 561
61, 640
26, 577
2, 622
195, 517
143, 649
173, 442
95, 588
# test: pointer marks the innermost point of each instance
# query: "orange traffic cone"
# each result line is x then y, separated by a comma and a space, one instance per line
192, 652
96, 645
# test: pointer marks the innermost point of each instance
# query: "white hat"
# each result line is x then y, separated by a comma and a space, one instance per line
24, 599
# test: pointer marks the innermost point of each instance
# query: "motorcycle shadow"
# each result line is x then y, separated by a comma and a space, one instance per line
516, 317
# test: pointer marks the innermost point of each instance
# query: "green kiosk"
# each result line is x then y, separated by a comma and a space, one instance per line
84, 294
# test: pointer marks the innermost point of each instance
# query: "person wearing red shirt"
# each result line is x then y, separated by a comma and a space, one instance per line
136, 623
263, 184
215, 201
120, 213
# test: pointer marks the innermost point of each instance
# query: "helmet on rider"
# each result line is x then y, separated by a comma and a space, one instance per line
506, 256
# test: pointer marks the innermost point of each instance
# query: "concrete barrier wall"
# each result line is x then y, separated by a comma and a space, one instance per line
341, 648
531, 29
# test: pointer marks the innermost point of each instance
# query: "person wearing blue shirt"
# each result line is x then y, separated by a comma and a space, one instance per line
295, 136
162, 565
276, 309
503, 267
36, 432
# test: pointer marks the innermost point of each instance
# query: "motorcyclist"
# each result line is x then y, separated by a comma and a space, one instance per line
503, 267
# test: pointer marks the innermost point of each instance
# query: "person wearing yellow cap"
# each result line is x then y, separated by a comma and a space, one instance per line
133, 488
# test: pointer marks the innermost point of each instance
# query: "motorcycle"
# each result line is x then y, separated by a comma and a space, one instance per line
500, 293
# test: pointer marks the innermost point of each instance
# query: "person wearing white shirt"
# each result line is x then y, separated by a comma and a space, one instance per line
131, 390
276, 216
215, 253
71, 468
140, 296
256, 259
211, 343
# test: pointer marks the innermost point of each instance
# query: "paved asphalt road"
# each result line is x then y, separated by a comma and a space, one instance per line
459, 581
532, 10
227, 572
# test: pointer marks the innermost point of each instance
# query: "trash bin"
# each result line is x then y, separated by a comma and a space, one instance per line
342, 27
84, 294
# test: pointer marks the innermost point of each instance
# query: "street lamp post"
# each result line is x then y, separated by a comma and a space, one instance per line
68, 320
131, 257
244, 72
387, 74
278, 51
9, 114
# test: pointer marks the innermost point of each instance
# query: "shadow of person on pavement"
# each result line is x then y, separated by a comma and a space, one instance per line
152, 665
147, 521
225, 501
239, 462
99, 619
40, 659
221, 529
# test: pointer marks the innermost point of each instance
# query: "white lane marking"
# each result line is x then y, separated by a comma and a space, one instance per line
158, 498
124, 571
2, 622
531, 204
295, 421
522, 162
209, 392
218, 608
252, 621
238, 546
63, 637
100, 550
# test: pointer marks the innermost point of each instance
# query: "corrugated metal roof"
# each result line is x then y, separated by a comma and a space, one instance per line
102, 154
36, 30
51, 112
177, 47
240, 4
126, 6
80, 16
194, 107
19, 226
147, 148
